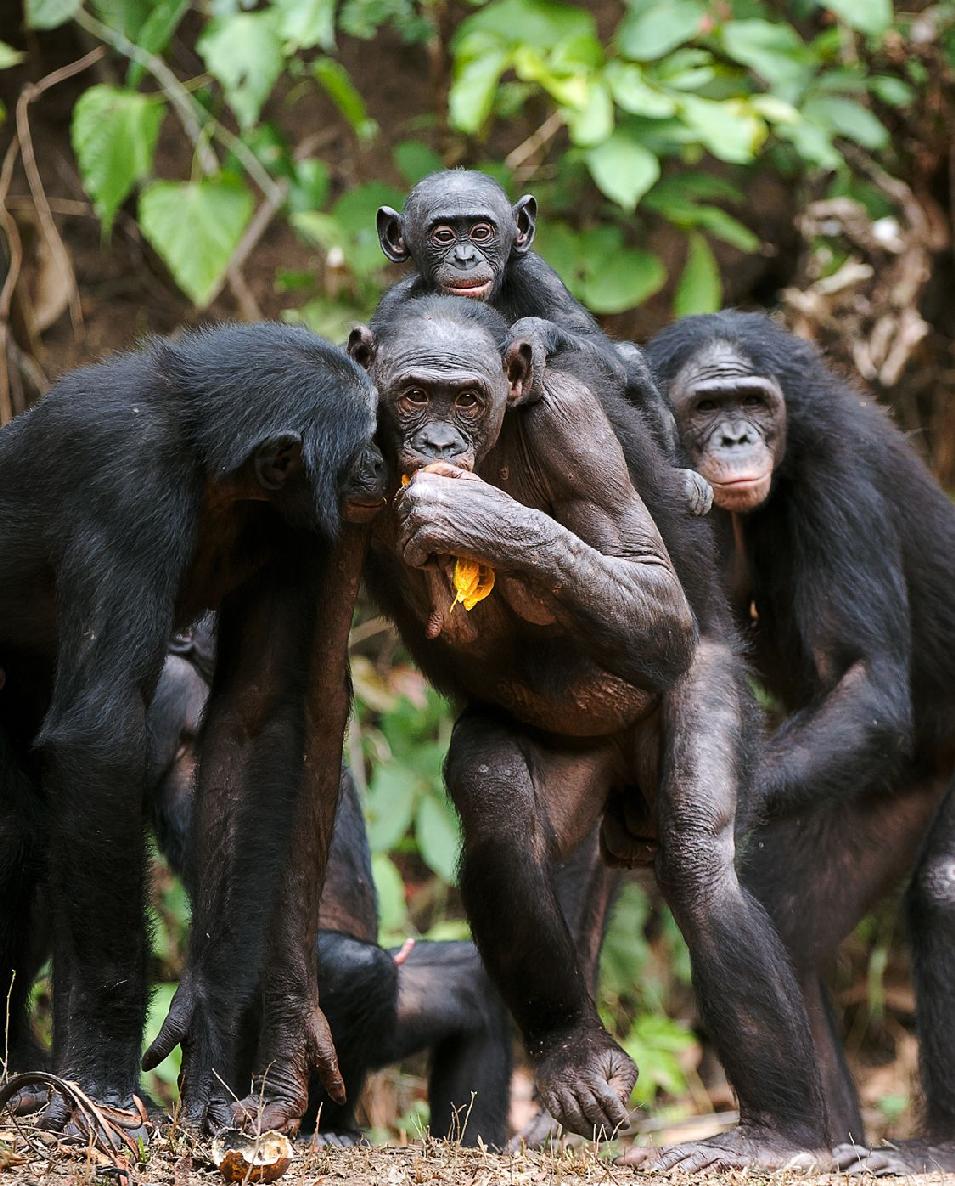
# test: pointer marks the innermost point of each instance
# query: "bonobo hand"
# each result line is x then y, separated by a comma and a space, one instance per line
699, 493
584, 1080
445, 511
626, 840
538, 334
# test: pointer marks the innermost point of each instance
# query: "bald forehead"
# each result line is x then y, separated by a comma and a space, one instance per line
459, 193
439, 344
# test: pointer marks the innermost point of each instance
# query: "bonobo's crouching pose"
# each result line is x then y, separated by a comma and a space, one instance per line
586, 673
204, 473
465, 239
839, 555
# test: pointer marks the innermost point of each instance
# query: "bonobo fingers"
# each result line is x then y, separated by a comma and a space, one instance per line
741, 1148
902, 1159
585, 1081
322, 1056
699, 493
174, 1030
537, 1132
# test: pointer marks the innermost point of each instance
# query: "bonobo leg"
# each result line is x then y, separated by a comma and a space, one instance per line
931, 908
747, 994
523, 799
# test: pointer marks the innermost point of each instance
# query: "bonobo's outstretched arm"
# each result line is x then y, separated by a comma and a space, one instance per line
857, 632
599, 554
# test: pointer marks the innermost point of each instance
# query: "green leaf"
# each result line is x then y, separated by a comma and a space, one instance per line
392, 796
306, 23
114, 135
47, 14
623, 281
244, 53
539, 23
813, 143
125, 16
633, 94
729, 129
623, 169
593, 123
438, 836
416, 160
891, 90
195, 226
156, 32
847, 118
652, 31
472, 91
9, 56
310, 185
872, 17
392, 910
771, 48
700, 289
341, 90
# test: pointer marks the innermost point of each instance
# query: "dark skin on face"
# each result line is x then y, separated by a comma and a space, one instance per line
465, 239
578, 671
838, 549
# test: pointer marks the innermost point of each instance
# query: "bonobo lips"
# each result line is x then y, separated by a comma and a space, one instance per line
476, 290
362, 510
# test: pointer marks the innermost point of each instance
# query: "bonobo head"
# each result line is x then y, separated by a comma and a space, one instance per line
729, 406
460, 230
277, 414
445, 374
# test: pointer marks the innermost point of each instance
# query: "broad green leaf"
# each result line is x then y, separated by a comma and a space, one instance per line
416, 160
244, 53
623, 281
157, 30
310, 186
306, 23
341, 90
540, 23
473, 89
653, 31
891, 90
686, 69
813, 143
114, 136
392, 796
47, 14
593, 123
847, 118
9, 56
633, 94
729, 129
700, 289
868, 16
623, 169
195, 226
680, 209
125, 16
772, 48
571, 90
438, 836
392, 910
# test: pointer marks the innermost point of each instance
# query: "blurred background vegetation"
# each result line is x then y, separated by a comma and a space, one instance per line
166, 162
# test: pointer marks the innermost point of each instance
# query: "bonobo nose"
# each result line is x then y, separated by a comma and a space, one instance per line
735, 434
439, 441
464, 253
373, 463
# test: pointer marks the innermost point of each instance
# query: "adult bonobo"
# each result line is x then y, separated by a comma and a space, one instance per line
382, 1006
208, 472
838, 552
587, 672
466, 239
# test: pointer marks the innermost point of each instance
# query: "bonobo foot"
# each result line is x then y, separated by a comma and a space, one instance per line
584, 1080
899, 1158
743, 1147
699, 493
277, 1105
349, 1138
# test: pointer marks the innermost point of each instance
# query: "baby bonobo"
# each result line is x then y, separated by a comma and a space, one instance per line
601, 664
465, 239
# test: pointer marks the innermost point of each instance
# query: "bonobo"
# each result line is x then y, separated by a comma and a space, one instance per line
465, 239
208, 472
382, 1006
602, 663
838, 552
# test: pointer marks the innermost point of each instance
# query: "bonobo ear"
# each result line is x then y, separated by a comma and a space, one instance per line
390, 236
277, 459
362, 346
522, 377
525, 222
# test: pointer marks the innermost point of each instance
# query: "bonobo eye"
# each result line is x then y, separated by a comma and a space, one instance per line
443, 236
706, 405
413, 398
754, 401
468, 401
482, 232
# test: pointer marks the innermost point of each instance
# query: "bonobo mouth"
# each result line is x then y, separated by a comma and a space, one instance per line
744, 492
410, 463
475, 290
362, 510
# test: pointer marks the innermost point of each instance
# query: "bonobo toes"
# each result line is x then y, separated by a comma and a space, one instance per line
898, 1159
584, 1080
743, 1147
348, 1138
271, 1107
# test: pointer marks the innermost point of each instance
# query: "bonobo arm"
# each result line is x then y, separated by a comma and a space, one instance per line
599, 554
853, 614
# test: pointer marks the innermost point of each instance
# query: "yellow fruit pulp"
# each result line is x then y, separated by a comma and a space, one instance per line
472, 582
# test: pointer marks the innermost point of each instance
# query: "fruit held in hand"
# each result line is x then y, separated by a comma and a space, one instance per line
472, 582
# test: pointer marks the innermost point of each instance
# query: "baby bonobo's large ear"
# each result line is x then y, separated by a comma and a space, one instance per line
390, 236
362, 346
524, 367
277, 459
525, 223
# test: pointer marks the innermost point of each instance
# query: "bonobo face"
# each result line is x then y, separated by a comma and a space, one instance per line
732, 422
364, 488
460, 230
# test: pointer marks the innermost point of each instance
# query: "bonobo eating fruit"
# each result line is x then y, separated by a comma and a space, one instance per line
209, 472
466, 239
838, 555
602, 664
